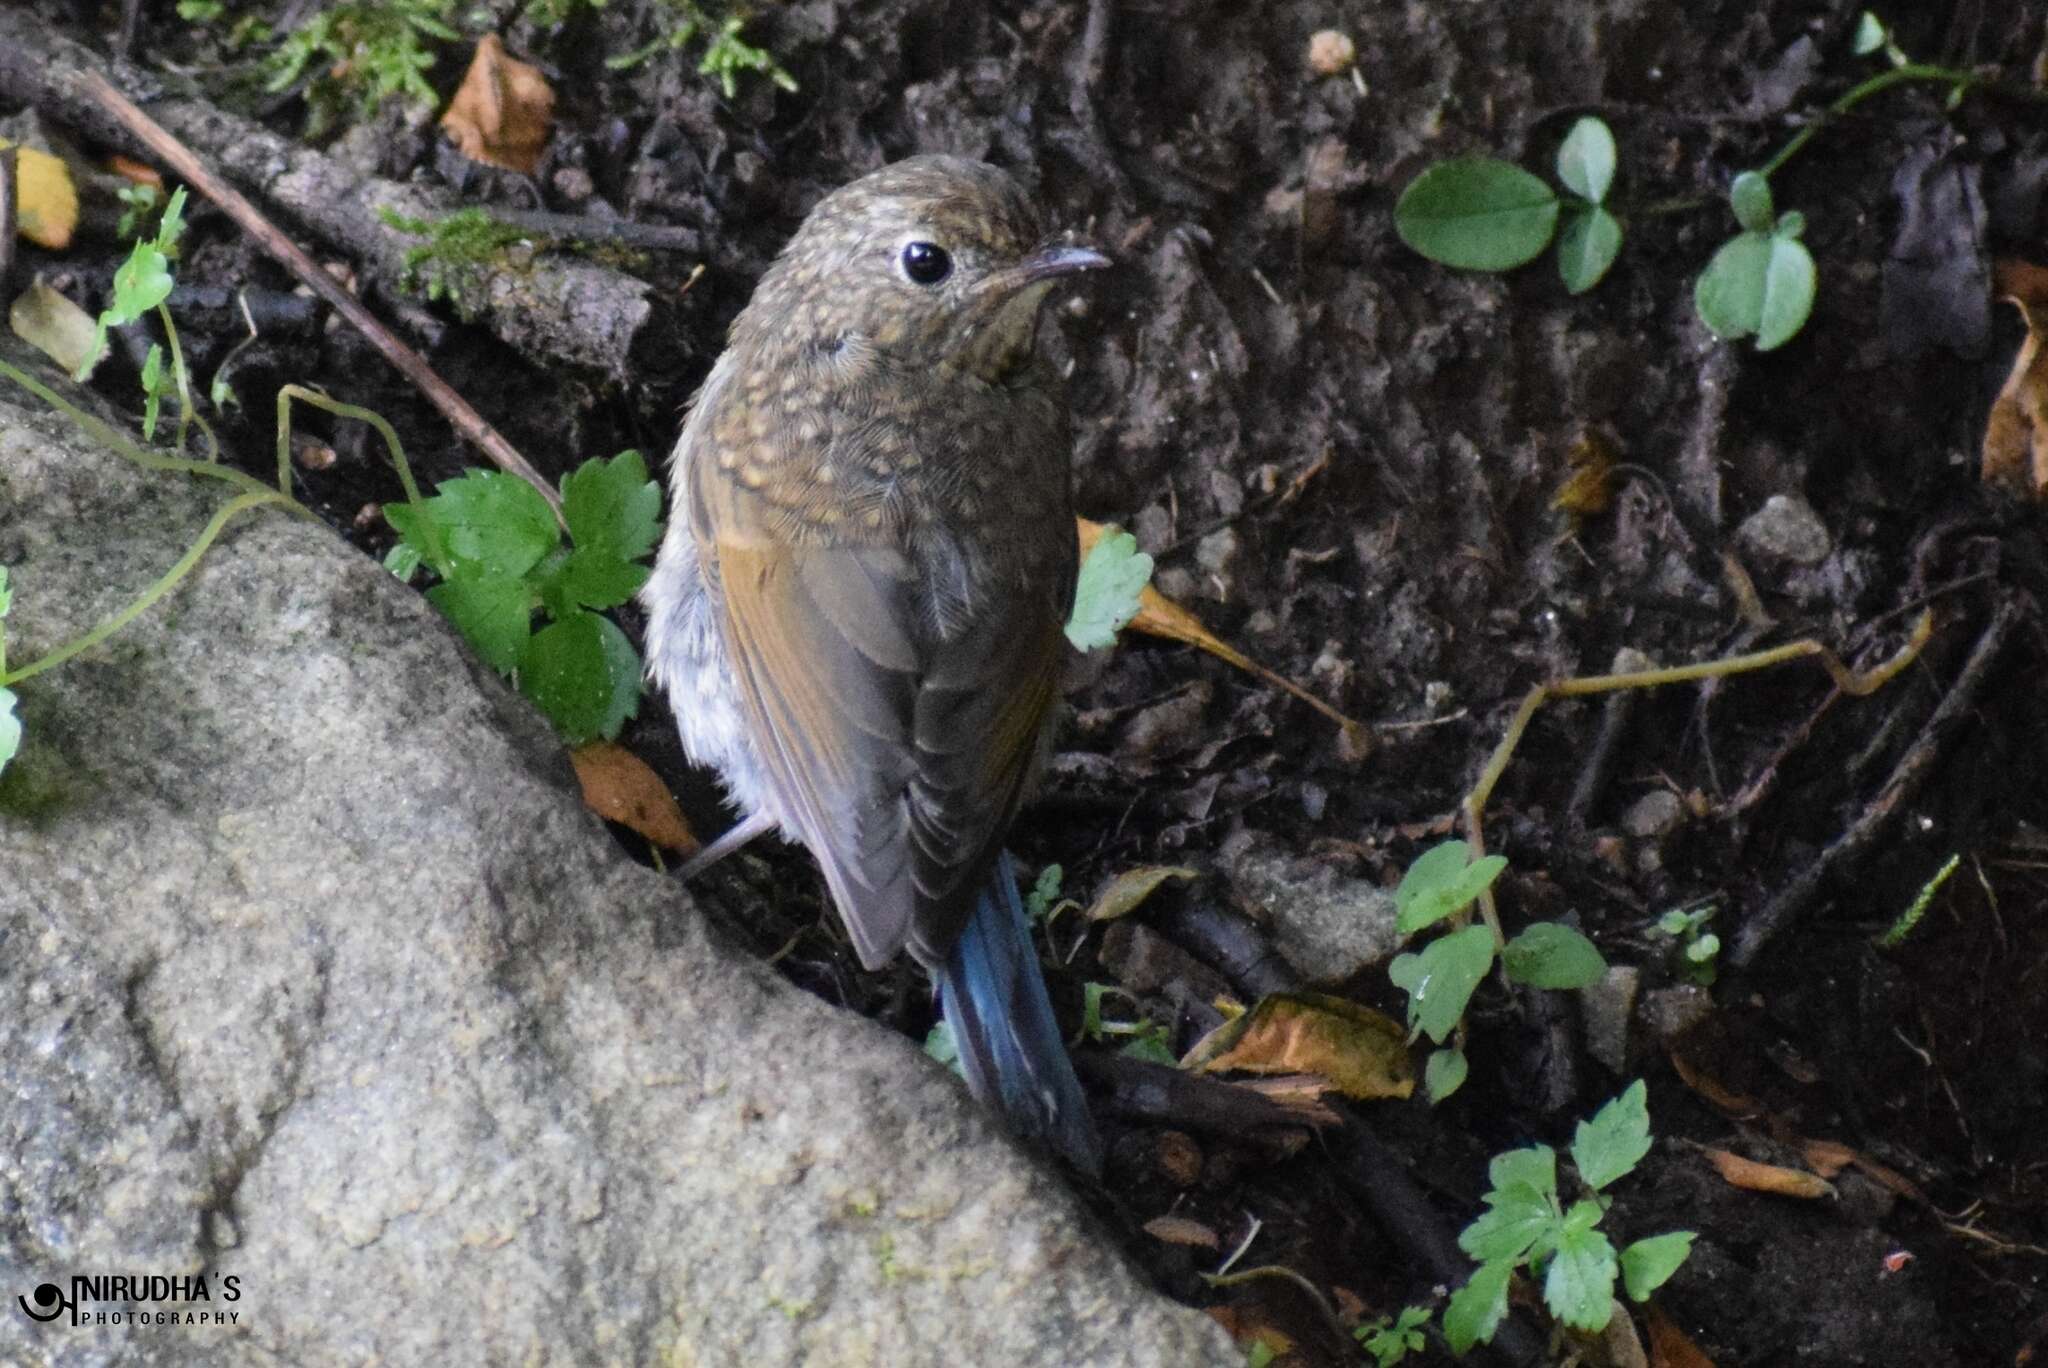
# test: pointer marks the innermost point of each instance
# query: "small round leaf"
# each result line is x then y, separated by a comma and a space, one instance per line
1477, 214
1788, 293
1730, 292
1751, 197
1585, 161
1586, 247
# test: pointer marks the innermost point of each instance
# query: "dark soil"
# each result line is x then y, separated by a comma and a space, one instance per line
1345, 460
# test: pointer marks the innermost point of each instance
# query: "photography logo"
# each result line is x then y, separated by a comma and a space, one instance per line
121, 1299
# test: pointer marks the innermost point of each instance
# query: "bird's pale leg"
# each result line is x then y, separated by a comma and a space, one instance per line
756, 825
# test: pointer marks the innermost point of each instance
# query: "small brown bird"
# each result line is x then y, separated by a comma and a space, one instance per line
857, 610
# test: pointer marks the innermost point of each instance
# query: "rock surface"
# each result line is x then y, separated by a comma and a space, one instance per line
314, 974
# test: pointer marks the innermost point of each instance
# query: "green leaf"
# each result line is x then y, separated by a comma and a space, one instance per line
1548, 955
613, 506
152, 389
142, 283
1870, 36
493, 524
1750, 196
403, 560
10, 728
1729, 295
1615, 1140
6, 594
495, 616
1646, 1264
171, 226
584, 674
1533, 1166
1106, 595
1044, 894
1151, 1048
1578, 1287
1444, 879
1585, 160
1439, 981
1516, 1217
590, 577
1789, 284
1587, 247
1477, 214
940, 1045
1444, 1074
1475, 1310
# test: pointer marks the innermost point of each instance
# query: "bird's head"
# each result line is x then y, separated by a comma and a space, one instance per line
931, 261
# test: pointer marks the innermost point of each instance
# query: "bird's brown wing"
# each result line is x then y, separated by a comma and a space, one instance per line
899, 752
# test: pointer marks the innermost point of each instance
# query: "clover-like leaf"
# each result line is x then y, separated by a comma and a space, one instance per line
1758, 283
1750, 196
1586, 247
1477, 214
1585, 160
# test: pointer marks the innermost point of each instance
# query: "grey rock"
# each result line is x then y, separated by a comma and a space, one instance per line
1606, 1008
1786, 529
314, 973
1327, 924
1656, 813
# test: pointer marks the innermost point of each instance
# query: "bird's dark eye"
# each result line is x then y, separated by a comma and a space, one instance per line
926, 263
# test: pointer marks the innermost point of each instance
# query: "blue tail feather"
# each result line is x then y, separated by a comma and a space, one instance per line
993, 996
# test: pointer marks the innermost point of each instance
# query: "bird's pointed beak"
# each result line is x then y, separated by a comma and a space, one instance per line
1048, 263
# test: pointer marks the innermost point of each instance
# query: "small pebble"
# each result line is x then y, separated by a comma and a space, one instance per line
1331, 53
1786, 529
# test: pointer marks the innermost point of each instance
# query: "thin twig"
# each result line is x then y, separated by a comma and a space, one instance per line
187, 166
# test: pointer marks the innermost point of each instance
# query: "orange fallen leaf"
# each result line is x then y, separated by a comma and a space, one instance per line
1670, 1347
1724, 1100
140, 173
619, 787
2016, 428
1752, 1176
1132, 887
45, 201
1160, 616
503, 110
1830, 1157
1363, 1053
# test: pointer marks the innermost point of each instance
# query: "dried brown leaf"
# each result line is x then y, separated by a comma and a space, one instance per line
619, 787
2016, 428
1670, 1347
1130, 888
1363, 1053
503, 110
1752, 1176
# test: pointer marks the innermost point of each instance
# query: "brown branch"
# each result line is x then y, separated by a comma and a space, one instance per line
1905, 780
181, 160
